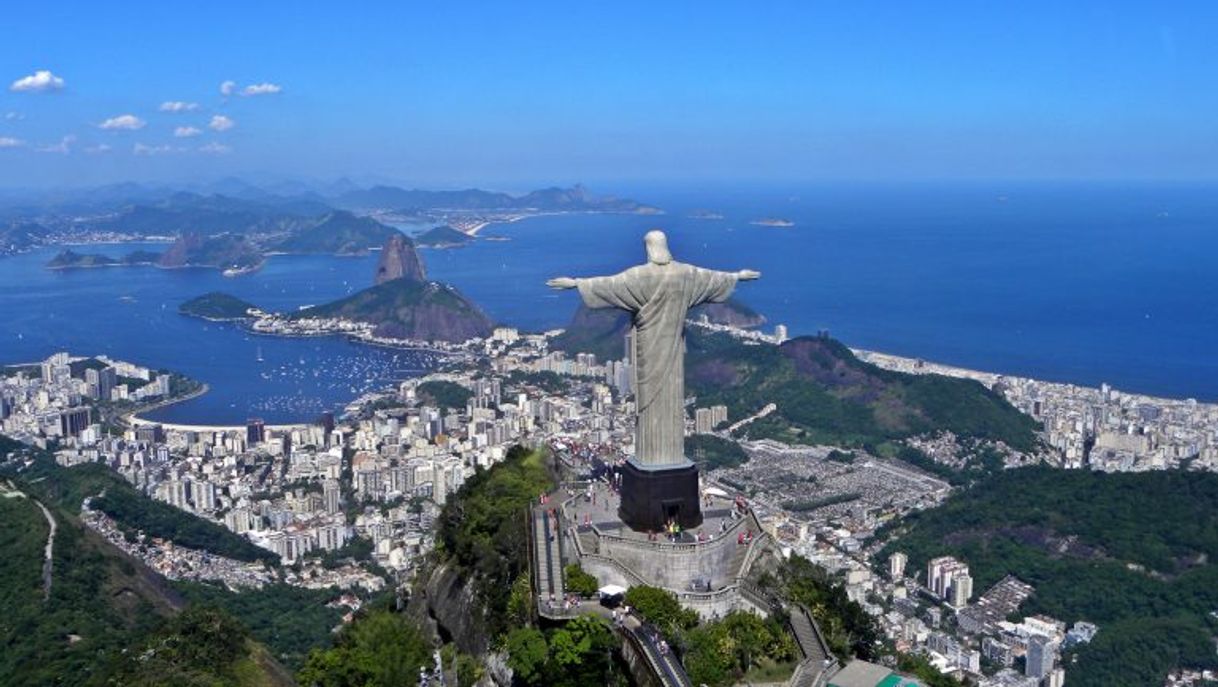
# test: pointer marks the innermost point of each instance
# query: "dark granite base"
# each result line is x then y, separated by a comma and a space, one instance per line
651, 498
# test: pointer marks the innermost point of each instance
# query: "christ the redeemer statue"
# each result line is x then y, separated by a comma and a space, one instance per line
659, 484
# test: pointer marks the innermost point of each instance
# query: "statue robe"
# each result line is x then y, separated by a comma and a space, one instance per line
658, 298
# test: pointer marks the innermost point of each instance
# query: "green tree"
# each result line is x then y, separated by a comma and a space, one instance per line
661, 608
580, 653
381, 649
527, 653
578, 581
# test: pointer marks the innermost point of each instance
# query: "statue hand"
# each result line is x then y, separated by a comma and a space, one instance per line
562, 283
748, 275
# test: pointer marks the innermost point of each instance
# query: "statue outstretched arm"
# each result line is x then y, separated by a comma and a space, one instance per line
562, 283
748, 275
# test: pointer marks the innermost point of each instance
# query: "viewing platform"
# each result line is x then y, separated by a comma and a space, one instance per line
705, 567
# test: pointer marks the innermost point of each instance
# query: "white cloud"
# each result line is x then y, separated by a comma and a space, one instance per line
178, 106
141, 149
261, 89
99, 148
6, 142
13, 116
186, 131
63, 147
221, 123
228, 87
128, 122
215, 149
41, 80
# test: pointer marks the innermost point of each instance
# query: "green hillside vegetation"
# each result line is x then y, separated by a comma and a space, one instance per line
444, 394
404, 308
103, 606
442, 237
380, 649
1130, 552
133, 511
337, 232
740, 646
546, 380
848, 630
482, 530
711, 452
99, 600
577, 654
216, 305
825, 395
289, 621
201, 646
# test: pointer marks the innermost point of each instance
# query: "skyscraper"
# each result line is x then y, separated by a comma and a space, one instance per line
101, 382
939, 575
255, 431
73, 421
962, 590
1040, 656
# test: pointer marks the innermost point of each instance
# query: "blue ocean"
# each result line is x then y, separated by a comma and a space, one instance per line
1075, 283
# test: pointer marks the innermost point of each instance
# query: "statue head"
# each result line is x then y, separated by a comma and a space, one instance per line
657, 247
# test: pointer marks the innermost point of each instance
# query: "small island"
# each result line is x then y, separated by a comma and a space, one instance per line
705, 214
70, 259
772, 222
443, 237
218, 307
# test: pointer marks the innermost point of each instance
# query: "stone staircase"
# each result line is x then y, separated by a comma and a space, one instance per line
665, 666
548, 557
817, 658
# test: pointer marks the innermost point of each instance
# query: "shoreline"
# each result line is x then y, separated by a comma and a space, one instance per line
900, 363
133, 418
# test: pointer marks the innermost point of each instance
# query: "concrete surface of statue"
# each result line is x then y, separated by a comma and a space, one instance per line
658, 295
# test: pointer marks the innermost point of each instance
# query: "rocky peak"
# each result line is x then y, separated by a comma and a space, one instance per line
399, 261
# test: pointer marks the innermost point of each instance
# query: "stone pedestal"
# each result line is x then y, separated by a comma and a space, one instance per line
652, 498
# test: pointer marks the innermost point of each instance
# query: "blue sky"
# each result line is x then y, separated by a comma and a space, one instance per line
511, 95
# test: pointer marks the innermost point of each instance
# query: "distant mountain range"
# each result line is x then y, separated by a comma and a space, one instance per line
283, 217
222, 251
337, 232
574, 199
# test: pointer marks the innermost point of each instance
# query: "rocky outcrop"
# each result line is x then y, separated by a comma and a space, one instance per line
732, 313
399, 260
447, 606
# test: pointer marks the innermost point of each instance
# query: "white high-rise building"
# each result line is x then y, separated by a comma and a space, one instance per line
940, 572
332, 496
896, 565
962, 590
